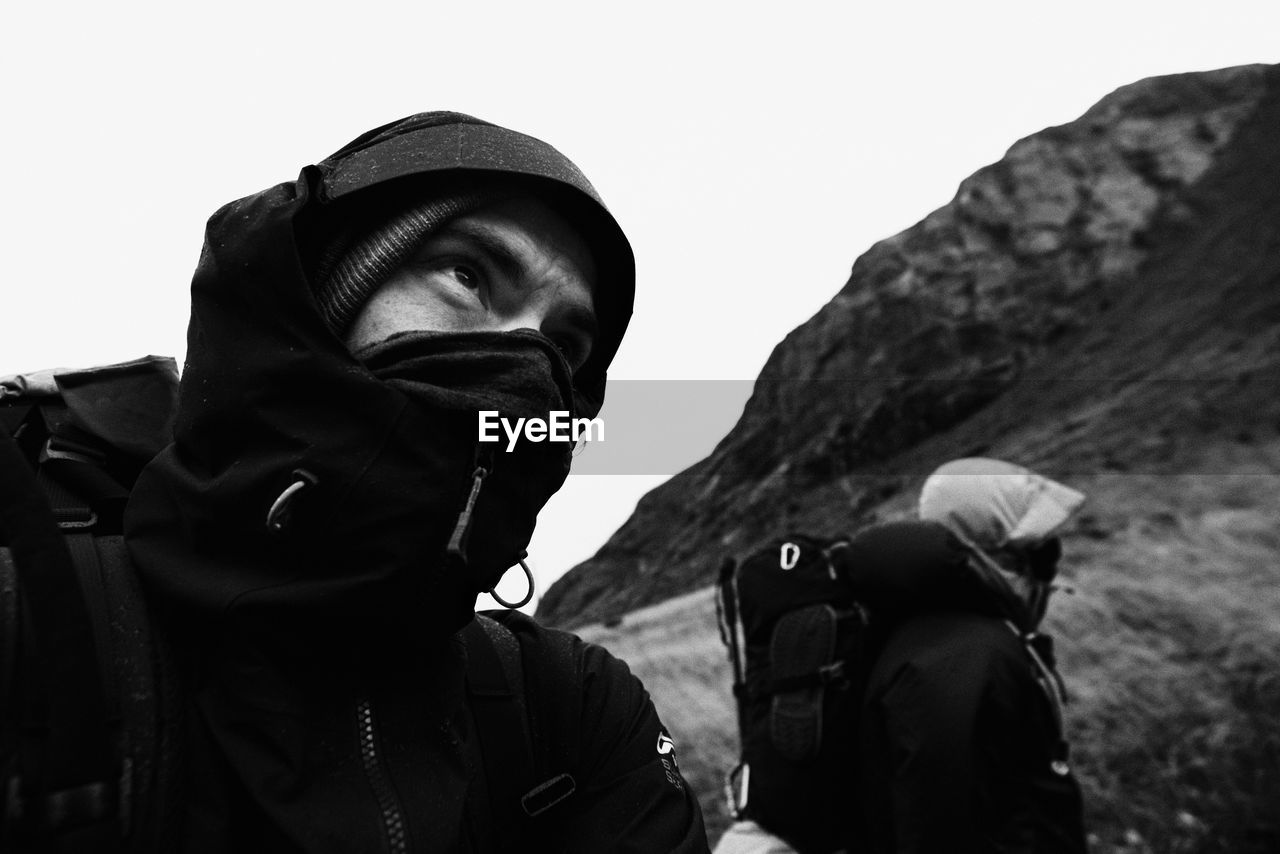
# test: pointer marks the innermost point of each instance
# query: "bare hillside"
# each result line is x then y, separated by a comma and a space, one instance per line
1101, 296
1103, 305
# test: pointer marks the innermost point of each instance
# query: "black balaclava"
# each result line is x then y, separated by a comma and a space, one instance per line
394, 515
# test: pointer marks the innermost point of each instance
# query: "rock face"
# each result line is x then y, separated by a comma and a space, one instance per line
1106, 298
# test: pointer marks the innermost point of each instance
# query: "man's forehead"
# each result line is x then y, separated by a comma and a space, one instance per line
518, 229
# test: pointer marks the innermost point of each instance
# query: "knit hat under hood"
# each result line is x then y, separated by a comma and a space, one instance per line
355, 266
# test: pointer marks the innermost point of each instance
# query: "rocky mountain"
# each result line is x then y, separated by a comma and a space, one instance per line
1105, 299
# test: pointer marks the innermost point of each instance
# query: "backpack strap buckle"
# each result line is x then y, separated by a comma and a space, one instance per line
544, 796
833, 673
737, 788
63, 448
81, 805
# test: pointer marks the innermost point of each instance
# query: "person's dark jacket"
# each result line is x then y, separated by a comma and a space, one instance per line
329, 750
960, 742
328, 708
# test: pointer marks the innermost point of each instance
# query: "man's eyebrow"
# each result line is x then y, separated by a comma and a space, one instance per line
497, 249
513, 266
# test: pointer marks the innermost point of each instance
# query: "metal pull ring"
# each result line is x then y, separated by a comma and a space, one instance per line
278, 515
528, 574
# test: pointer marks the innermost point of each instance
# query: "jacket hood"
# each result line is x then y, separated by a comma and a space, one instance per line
899, 569
269, 394
994, 504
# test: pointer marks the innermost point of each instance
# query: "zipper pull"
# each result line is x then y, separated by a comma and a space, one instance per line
457, 547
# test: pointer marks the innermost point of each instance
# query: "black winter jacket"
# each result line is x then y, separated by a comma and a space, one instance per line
328, 708
333, 751
960, 744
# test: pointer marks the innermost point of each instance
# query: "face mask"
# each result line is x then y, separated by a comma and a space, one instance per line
449, 378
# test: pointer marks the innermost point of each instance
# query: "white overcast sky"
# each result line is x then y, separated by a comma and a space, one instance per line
751, 151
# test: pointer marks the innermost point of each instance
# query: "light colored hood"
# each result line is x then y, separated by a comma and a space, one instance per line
994, 504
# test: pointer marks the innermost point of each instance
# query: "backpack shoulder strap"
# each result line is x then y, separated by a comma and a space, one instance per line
553, 692
495, 687
71, 773
727, 618
1039, 649
518, 680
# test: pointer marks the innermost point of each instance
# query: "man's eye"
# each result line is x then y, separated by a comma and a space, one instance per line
466, 275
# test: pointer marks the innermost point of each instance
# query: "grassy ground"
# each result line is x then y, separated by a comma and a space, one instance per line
675, 648
1169, 644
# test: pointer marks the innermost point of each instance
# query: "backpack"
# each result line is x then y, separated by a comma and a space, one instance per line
797, 643
89, 698
90, 691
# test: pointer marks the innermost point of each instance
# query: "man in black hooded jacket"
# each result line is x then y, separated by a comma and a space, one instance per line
318, 530
961, 743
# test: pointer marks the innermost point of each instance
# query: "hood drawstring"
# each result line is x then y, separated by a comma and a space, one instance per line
528, 596
281, 512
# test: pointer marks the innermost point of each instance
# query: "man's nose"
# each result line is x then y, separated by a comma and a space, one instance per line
529, 317
549, 311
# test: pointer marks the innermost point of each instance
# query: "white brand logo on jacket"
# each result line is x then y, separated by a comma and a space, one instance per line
667, 754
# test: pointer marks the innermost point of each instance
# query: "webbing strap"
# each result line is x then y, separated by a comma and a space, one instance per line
84, 556
99, 491
497, 705
833, 673
727, 611
1047, 677
521, 691
79, 750
553, 692
8, 628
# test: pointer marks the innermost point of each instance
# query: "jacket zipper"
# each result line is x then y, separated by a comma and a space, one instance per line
376, 774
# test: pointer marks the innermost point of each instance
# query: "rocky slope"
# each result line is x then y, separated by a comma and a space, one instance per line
1168, 646
1104, 299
